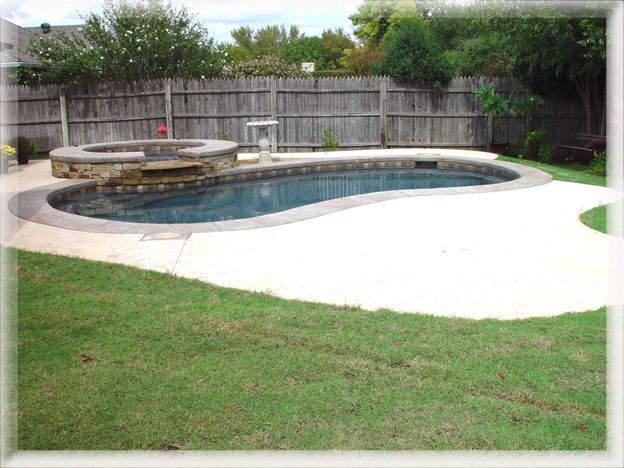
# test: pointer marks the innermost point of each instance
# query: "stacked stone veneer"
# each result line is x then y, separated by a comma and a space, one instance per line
122, 167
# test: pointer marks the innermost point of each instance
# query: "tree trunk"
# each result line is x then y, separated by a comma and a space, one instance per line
592, 90
603, 123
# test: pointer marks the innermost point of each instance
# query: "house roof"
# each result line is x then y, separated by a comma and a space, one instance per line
14, 40
75, 29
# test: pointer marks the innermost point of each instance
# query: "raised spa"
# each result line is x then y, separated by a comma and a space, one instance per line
144, 165
246, 193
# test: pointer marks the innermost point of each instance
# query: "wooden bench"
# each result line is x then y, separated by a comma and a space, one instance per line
581, 148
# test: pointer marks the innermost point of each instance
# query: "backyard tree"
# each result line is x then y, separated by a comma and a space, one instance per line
266, 40
483, 55
468, 49
304, 49
363, 60
562, 49
334, 44
288, 44
373, 19
545, 46
129, 41
411, 51
232, 53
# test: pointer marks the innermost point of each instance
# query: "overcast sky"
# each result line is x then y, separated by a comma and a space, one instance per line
219, 16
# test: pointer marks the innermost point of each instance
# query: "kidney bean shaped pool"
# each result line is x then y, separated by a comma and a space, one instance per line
258, 197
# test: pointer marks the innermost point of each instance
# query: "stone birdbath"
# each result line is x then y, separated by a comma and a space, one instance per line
263, 127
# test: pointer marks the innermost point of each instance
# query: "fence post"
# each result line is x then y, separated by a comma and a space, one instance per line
64, 121
169, 109
383, 92
274, 114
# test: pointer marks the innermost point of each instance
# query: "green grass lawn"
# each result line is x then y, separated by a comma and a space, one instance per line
596, 218
564, 172
181, 363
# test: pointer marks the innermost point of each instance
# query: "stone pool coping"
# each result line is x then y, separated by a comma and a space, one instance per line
33, 204
93, 153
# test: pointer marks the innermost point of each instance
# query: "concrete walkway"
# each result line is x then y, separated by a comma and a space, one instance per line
509, 254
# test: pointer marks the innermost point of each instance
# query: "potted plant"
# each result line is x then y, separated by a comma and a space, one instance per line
161, 132
26, 149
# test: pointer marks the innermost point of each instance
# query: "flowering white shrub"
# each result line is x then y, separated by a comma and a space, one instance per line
129, 41
263, 66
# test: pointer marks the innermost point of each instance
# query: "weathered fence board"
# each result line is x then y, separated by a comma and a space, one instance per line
364, 112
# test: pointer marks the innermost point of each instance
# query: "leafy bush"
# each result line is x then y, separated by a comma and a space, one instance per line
492, 102
334, 43
532, 144
266, 40
362, 61
412, 52
264, 66
544, 154
304, 49
524, 106
329, 140
222, 135
482, 56
599, 163
495, 104
128, 41
26, 149
233, 53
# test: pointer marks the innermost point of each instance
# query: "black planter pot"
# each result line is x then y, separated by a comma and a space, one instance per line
22, 159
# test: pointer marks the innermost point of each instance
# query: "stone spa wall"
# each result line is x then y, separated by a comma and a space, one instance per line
123, 167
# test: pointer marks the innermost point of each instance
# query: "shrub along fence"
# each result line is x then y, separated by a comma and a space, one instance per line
364, 112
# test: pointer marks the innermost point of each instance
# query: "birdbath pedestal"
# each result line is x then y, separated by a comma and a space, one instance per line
263, 127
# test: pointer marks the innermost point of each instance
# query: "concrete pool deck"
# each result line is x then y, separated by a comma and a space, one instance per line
506, 254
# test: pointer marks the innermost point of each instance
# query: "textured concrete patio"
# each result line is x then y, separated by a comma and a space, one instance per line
508, 254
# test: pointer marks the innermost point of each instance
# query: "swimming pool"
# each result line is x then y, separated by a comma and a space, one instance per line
40, 204
248, 199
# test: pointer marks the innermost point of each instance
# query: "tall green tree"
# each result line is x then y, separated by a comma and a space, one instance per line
232, 53
244, 38
546, 47
482, 55
551, 49
304, 49
411, 51
266, 40
374, 18
129, 41
334, 44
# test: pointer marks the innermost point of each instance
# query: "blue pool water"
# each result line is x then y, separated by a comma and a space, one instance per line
259, 197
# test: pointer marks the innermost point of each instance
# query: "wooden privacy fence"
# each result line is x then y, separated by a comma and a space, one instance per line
364, 112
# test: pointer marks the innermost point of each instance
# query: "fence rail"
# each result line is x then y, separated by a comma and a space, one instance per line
371, 112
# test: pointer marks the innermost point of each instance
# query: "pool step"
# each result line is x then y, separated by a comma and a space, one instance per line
169, 164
